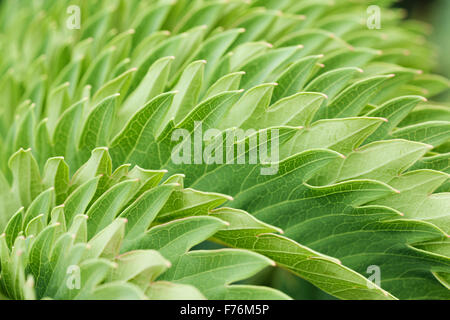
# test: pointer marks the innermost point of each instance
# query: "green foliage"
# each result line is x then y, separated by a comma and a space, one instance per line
108, 227
364, 157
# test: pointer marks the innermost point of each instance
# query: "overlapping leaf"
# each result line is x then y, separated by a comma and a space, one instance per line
361, 174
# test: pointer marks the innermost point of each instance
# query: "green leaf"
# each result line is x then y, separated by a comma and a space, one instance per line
39, 256
332, 82
416, 199
151, 85
395, 111
99, 164
189, 87
353, 99
259, 69
26, 178
382, 160
43, 142
107, 242
107, 207
204, 15
175, 238
229, 82
79, 199
296, 110
253, 101
294, 78
96, 74
141, 131
67, 130
219, 268
143, 211
434, 133
117, 291
57, 102
355, 57
214, 48
284, 251
433, 84
56, 176
112, 87
40, 205
255, 24
99, 118
141, 267
164, 290
341, 135
14, 227
24, 135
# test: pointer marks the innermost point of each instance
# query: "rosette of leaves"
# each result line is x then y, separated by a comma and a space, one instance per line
364, 156
119, 235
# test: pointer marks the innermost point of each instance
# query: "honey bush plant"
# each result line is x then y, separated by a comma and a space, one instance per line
87, 180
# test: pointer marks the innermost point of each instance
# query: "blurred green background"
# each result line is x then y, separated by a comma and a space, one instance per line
436, 13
